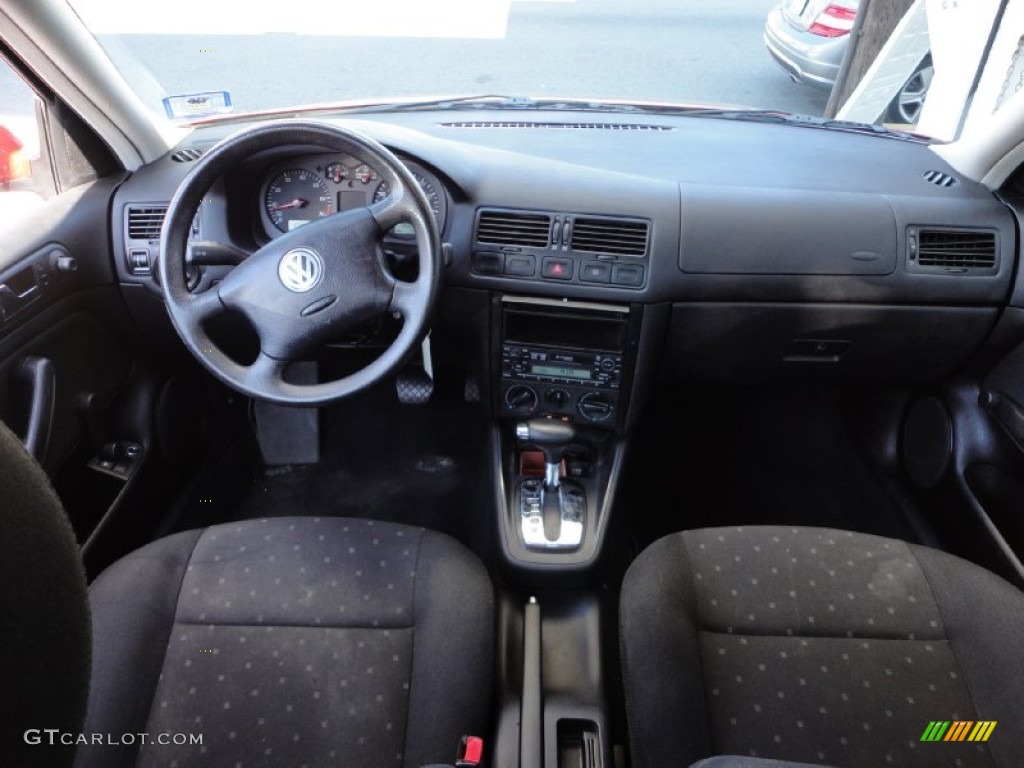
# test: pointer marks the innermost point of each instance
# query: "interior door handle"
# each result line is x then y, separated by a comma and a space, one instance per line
40, 376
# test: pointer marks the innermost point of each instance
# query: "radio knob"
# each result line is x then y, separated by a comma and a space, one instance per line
521, 399
607, 364
595, 407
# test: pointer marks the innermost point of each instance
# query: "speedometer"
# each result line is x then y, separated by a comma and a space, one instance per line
296, 197
404, 229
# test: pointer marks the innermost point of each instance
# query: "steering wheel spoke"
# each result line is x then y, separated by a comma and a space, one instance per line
203, 306
405, 299
393, 209
266, 373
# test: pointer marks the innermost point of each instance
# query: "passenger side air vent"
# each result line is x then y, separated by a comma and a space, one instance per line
621, 237
145, 223
953, 250
532, 230
940, 179
187, 155
522, 124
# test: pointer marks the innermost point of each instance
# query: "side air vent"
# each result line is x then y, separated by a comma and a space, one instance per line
187, 155
511, 228
621, 237
958, 250
559, 126
940, 179
145, 223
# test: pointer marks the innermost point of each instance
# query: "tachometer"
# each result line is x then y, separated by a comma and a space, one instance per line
404, 229
296, 197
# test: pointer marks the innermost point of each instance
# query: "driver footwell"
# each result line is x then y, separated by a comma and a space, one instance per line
421, 465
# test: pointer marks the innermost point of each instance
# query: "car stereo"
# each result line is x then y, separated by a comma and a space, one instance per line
529, 363
562, 359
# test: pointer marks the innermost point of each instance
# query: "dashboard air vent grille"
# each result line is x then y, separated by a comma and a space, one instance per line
940, 179
511, 228
559, 126
956, 249
187, 155
145, 223
622, 237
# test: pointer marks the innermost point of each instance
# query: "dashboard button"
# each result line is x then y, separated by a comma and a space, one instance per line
523, 265
596, 272
627, 274
557, 269
488, 263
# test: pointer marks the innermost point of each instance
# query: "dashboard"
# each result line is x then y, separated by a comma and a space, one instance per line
768, 251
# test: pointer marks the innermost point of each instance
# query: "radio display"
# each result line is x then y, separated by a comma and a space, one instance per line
560, 371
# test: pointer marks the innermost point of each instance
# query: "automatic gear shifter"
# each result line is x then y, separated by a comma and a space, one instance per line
552, 512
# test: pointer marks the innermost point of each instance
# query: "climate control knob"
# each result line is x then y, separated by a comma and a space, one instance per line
594, 406
521, 399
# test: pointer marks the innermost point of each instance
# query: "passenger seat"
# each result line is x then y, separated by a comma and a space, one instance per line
819, 646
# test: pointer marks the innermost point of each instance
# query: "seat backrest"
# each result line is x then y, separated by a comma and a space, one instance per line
44, 617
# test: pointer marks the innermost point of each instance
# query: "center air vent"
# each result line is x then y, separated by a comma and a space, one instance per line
958, 250
621, 237
144, 223
510, 228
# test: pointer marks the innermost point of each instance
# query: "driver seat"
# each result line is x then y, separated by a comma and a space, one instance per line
293, 642
276, 642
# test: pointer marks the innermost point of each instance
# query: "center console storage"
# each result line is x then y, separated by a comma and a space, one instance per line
554, 712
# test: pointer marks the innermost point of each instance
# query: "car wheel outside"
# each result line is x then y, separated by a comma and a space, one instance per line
907, 104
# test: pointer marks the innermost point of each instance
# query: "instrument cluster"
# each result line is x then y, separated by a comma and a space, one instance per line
307, 188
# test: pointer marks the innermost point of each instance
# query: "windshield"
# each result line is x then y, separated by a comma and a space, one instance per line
191, 59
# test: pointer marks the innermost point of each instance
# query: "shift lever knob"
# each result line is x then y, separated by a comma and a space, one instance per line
552, 438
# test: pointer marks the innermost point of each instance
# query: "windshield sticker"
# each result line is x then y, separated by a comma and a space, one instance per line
191, 105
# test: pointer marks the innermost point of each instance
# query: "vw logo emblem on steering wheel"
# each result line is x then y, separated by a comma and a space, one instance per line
300, 269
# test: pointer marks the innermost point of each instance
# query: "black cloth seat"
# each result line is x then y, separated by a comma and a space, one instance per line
817, 646
291, 642
44, 616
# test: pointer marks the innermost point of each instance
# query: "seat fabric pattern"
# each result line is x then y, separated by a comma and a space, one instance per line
818, 646
293, 641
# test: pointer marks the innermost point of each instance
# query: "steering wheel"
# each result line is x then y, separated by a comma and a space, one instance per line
311, 283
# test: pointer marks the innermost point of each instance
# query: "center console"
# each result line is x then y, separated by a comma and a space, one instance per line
564, 371
566, 380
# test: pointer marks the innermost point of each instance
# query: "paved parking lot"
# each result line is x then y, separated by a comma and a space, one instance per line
690, 51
